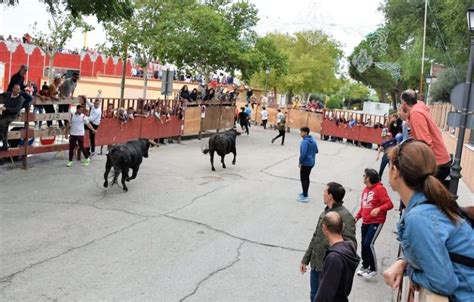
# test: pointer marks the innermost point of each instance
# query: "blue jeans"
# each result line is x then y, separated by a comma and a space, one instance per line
383, 164
314, 282
370, 232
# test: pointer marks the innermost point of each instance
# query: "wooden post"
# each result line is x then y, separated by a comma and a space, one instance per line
25, 140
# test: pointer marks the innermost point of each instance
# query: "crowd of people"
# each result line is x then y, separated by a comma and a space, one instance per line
436, 235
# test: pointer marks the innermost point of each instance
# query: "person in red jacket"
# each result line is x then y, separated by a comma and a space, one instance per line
374, 205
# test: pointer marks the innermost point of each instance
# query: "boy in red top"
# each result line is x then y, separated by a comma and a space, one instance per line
374, 205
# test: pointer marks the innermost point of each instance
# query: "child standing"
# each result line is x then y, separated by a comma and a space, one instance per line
76, 130
374, 205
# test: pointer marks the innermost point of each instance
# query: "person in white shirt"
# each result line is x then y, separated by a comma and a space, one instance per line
76, 130
264, 115
95, 114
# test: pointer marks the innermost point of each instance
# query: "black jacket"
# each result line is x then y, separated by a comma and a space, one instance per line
12, 105
17, 78
335, 281
185, 95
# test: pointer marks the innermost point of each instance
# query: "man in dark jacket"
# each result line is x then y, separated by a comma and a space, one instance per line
19, 79
340, 263
308, 151
12, 107
319, 245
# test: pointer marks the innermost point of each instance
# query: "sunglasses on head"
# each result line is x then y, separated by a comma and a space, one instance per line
400, 149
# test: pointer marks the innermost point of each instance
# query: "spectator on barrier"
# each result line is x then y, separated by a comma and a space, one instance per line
95, 115
194, 95
76, 130
249, 94
210, 93
437, 242
13, 103
66, 90
424, 128
316, 252
184, 93
122, 116
340, 262
53, 95
19, 79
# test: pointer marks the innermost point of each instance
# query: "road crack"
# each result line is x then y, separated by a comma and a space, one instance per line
8, 278
237, 259
209, 227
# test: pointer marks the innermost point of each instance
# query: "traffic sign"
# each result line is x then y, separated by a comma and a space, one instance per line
167, 82
457, 96
454, 120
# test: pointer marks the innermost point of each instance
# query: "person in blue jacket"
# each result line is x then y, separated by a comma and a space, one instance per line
436, 239
308, 150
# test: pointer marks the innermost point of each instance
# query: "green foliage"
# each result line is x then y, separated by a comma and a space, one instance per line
335, 102
447, 80
313, 59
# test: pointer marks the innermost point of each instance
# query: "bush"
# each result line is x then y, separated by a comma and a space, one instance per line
334, 103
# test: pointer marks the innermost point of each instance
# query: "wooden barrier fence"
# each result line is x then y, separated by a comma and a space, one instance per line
113, 131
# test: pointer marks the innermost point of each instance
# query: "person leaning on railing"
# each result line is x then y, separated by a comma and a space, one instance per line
436, 240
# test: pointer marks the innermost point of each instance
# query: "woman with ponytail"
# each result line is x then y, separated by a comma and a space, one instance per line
437, 243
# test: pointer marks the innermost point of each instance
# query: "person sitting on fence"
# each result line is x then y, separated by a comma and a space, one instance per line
209, 95
122, 116
76, 130
43, 95
194, 95
19, 79
184, 93
12, 107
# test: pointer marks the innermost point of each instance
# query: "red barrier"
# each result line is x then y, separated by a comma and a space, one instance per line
357, 133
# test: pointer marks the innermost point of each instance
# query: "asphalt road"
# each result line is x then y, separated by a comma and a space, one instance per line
182, 232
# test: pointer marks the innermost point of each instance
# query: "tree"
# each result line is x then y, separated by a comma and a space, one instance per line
61, 27
311, 66
447, 80
104, 10
214, 36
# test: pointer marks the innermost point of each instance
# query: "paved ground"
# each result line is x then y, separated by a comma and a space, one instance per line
182, 232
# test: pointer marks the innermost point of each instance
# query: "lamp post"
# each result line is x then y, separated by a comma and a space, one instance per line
428, 80
456, 168
267, 72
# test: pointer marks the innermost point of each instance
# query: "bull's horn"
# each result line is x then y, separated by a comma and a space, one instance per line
153, 143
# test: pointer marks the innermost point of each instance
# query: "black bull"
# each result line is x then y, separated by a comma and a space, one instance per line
222, 143
125, 157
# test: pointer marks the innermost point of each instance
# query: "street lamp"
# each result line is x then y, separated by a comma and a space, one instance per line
429, 80
456, 168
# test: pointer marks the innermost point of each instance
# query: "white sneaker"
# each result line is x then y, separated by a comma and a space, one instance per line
369, 274
361, 271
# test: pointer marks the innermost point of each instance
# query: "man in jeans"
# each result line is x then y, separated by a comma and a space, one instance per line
281, 126
333, 198
308, 151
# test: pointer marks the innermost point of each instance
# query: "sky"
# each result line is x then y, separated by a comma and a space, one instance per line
348, 21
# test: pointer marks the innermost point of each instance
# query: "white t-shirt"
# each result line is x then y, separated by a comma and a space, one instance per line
264, 115
280, 115
77, 124
95, 114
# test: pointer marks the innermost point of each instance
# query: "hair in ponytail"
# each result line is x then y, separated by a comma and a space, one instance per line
417, 165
